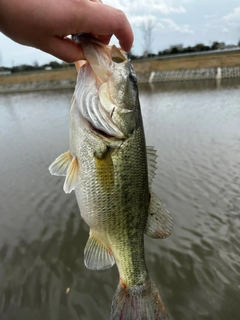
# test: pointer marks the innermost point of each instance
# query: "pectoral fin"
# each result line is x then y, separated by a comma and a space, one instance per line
60, 165
96, 255
71, 177
159, 223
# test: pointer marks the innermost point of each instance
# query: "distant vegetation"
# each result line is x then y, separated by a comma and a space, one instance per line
180, 49
176, 49
35, 67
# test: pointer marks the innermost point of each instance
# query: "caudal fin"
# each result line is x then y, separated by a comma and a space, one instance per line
138, 303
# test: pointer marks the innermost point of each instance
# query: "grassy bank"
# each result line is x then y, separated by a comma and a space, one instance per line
188, 62
45, 75
173, 63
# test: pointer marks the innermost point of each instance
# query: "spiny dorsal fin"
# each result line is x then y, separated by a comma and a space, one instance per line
97, 256
60, 165
71, 178
151, 162
159, 223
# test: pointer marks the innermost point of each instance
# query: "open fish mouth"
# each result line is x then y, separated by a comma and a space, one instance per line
99, 55
94, 99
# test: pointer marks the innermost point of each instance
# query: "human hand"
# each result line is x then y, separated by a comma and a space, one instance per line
46, 24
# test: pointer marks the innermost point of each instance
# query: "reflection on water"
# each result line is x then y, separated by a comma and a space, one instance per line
195, 128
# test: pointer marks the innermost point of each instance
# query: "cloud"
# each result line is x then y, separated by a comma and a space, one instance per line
209, 16
225, 30
234, 16
138, 21
157, 6
162, 24
170, 25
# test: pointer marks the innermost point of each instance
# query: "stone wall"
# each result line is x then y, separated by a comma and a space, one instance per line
38, 86
230, 72
187, 75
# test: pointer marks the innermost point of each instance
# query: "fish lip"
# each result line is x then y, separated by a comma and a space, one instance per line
115, 55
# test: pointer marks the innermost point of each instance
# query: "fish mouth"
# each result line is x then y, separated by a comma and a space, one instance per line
96, 104
99, 55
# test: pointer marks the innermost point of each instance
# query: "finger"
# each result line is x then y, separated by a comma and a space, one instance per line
64, 49
105, 20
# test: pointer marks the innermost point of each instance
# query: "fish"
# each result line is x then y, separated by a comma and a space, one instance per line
111, 169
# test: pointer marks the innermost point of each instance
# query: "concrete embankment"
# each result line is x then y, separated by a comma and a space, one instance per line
38, 86
192, 74
143, 77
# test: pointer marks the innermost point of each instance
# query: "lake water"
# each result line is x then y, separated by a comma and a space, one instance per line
195, 127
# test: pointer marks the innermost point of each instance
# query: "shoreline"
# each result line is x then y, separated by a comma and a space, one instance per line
143, 77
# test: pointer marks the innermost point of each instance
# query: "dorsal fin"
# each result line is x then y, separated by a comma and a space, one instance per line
152, 164
71, 177
60, 164
159, 223
96, 255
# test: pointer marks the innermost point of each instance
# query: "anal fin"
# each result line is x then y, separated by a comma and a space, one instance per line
96, 255
159, 223
60, 164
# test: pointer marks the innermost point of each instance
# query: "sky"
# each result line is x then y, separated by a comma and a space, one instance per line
186, 22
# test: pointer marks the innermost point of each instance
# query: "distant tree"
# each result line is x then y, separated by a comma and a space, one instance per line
147, 29
131, 56
152, 55
66, 65
35, 64
188, 49
174, 50
215, 45
55, 64
166, 51
199, 47
22, 68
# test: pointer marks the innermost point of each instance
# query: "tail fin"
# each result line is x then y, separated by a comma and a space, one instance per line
138, 303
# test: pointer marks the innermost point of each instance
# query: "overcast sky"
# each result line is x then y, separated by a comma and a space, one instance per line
186, 22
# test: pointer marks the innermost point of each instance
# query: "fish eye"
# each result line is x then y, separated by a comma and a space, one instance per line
118, 59
117, 56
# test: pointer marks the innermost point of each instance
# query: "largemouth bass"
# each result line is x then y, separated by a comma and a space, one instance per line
111, 170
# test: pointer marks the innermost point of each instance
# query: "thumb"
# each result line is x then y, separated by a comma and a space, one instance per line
64, 49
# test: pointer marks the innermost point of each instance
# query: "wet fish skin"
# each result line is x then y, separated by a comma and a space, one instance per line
107, 166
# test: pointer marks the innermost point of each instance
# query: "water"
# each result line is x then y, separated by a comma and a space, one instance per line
195, 128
